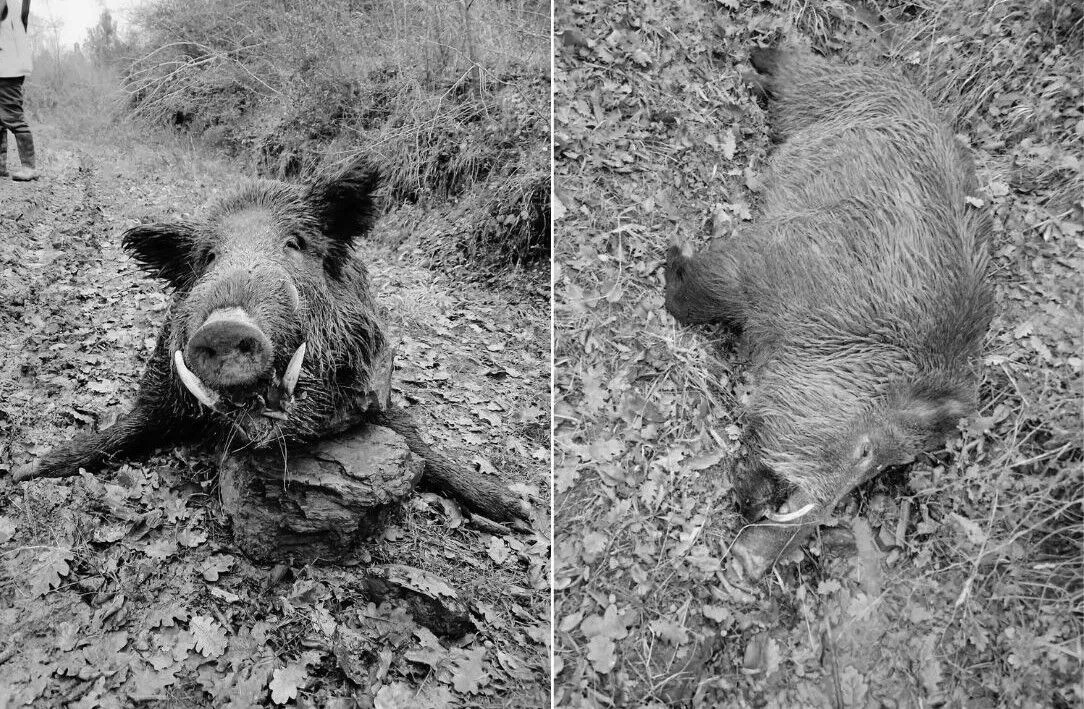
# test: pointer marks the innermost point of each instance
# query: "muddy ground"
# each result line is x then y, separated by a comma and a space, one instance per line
124, 588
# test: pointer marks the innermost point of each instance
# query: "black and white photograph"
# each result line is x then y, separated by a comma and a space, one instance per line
817, 295
554, 354
275, 314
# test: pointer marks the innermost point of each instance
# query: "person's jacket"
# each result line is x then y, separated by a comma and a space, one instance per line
15, 54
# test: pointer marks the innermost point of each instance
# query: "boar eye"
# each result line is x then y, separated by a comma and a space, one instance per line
296, 243
863, 452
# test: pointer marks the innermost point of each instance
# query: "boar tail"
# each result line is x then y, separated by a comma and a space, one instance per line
446, 477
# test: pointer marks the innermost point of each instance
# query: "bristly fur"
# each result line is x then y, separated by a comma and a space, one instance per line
276, 262
336, 317
266, 247
861, 291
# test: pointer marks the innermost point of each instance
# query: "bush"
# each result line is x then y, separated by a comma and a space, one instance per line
451, 105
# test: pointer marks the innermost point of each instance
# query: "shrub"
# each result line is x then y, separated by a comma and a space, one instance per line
451, 105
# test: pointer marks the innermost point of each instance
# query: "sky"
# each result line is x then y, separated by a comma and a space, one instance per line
73, 18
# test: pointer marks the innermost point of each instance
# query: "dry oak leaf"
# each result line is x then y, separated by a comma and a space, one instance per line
399, 695
498, 550
147, 683
286, 681
671, 632
611, 624
209, 637
53, 567
7, 529
192, 537
216, 565
167, 616
469, 676
600, 651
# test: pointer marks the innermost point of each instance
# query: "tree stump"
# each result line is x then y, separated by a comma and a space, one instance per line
322, 500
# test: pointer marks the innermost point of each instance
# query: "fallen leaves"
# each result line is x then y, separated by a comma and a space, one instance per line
7, 529
469, 676
216, 565
208, 636
602, 631
52, 567
286, 681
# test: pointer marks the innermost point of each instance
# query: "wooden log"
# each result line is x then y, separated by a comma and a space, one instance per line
319, 502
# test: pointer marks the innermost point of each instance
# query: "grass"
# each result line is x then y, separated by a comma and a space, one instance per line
451, 107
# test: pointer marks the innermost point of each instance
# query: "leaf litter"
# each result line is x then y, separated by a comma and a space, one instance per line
947, 583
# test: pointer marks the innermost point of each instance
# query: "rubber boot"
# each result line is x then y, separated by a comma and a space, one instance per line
25, 142
3, 152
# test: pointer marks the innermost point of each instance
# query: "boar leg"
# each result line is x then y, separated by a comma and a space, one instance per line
446, 477
137, 432
706, 288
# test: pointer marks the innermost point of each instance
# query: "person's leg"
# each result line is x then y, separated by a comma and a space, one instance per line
24, 141
11, 115
6, 100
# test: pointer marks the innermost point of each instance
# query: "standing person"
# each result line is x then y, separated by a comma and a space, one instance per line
15, 64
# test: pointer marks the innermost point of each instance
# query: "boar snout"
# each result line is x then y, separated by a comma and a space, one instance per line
229, 350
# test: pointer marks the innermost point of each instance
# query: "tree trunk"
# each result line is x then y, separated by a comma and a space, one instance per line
468, 41
322, 500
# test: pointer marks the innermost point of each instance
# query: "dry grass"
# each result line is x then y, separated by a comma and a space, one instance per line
72, 92
450, 108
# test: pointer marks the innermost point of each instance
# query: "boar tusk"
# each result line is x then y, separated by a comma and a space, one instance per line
789, 516
293, 371
295, 297
193, 384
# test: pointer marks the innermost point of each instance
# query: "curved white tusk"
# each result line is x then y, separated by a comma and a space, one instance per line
193, 384
293, 371
789, 516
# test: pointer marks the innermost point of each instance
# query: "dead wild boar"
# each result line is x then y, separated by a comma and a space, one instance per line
272, 337
860, 292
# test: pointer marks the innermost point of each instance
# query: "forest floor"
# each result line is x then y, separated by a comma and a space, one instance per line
125, 589
955, 582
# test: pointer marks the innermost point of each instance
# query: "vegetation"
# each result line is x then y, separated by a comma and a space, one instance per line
448, 98
954, 582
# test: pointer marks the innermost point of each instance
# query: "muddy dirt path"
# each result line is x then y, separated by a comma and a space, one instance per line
125, 587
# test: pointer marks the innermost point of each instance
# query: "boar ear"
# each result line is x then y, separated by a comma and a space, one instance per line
933, 410
163, 250
343, 202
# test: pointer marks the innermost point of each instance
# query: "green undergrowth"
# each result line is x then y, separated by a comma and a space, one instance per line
453, 109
